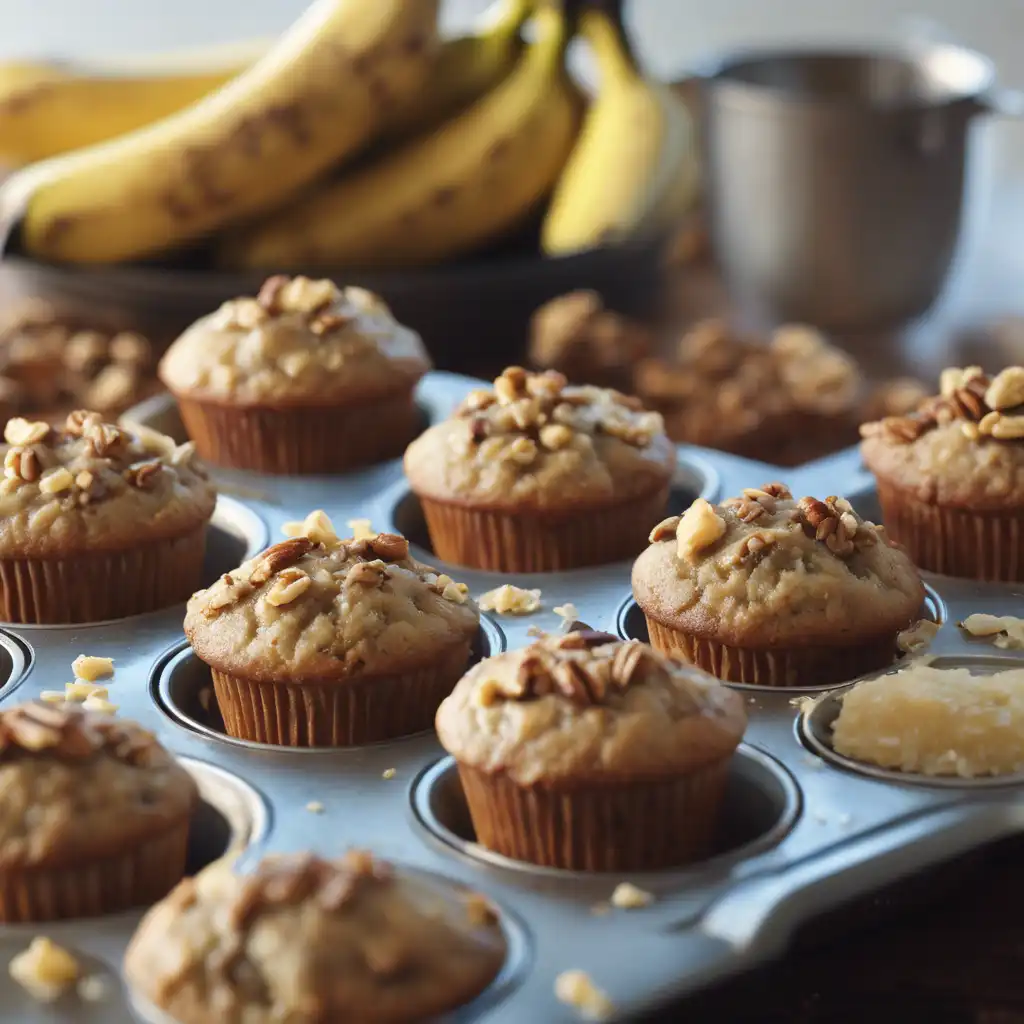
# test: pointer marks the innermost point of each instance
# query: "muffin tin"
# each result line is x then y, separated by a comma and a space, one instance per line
802, 829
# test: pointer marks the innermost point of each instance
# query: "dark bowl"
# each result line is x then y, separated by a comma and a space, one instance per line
473, 315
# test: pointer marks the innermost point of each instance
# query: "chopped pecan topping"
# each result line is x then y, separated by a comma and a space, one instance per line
289, 881
290, 585
833, 522
79, 421
144, 476
279, 557
71, 732
270, 292
754, 545
22, 463
366, 574
389, 546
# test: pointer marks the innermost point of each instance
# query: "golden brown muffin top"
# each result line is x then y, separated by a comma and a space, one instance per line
962, 447
762, 570
533, 441
317, 606
76, 784
91, 485
307, 940
588, 706
297, 341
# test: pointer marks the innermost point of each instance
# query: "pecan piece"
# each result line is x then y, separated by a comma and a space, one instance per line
22, 463
627, 660
144, 475
279, 557
574, 682
79, 421
104, 439
270, 292
390, 547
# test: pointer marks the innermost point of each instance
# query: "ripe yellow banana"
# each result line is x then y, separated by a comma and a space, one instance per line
465, 69
315, 98
51, 108
472, 181
635, 166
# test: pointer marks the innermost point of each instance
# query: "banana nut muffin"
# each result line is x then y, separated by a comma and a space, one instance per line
535, 475
320, 641
98, 521
764, 589
94, 814
588, 752
951, 475
307, 940
305, 378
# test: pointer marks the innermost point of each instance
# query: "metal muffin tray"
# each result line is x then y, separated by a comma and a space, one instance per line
802, 830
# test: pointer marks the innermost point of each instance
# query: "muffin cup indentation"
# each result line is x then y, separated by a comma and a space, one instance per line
297, 440
758, 805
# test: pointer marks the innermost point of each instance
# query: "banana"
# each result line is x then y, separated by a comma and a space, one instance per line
635, 167
53, 107
314, 99
466, 68
475, 179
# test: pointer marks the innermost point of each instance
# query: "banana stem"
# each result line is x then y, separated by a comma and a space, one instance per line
607, 36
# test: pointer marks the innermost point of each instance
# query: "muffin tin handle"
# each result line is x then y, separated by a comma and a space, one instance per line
762, 913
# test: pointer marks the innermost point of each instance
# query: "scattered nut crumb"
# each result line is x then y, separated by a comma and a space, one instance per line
361, 529
510, 600
44, 970
93, 989
813, 762
317, 527
94, 703
315, 807
630, 897
1005, 631
388, 773
568, 613
574, 988
91, 668
804, 703
537, 632
52, 696
600, 909
80, 691
918, 637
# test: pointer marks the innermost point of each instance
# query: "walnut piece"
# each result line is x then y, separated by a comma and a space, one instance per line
316, 528
279, 557
290, 585
1006, 390
699, 527
21, 464
24, 432
917, 638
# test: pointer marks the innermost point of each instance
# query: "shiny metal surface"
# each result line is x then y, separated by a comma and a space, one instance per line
800, 834
836, 179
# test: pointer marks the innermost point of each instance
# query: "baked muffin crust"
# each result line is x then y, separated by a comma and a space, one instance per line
586, 707
299, 341
96, 486
762, 570
317, 606
307, 940
75, 783
963, 448
534, 442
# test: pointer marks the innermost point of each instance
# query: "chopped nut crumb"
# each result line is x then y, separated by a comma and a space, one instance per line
574, 988
536, 631
699, 528
510, 600
91, 668
567, 611
315, 807
52, 696
93, 989
361, 529
94, 703
316, 527
1005, 631
388, 773
629, 897
917, 637
80, 690
44, 970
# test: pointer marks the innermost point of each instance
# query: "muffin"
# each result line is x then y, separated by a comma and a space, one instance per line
934, 721
94, 814
307, 940
767, 590
951, 476
320, 641
305, 378
534, 475
98, 521
591, 753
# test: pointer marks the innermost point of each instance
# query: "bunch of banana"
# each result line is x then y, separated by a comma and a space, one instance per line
315, 98
53, 107
635, 168
444, 193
